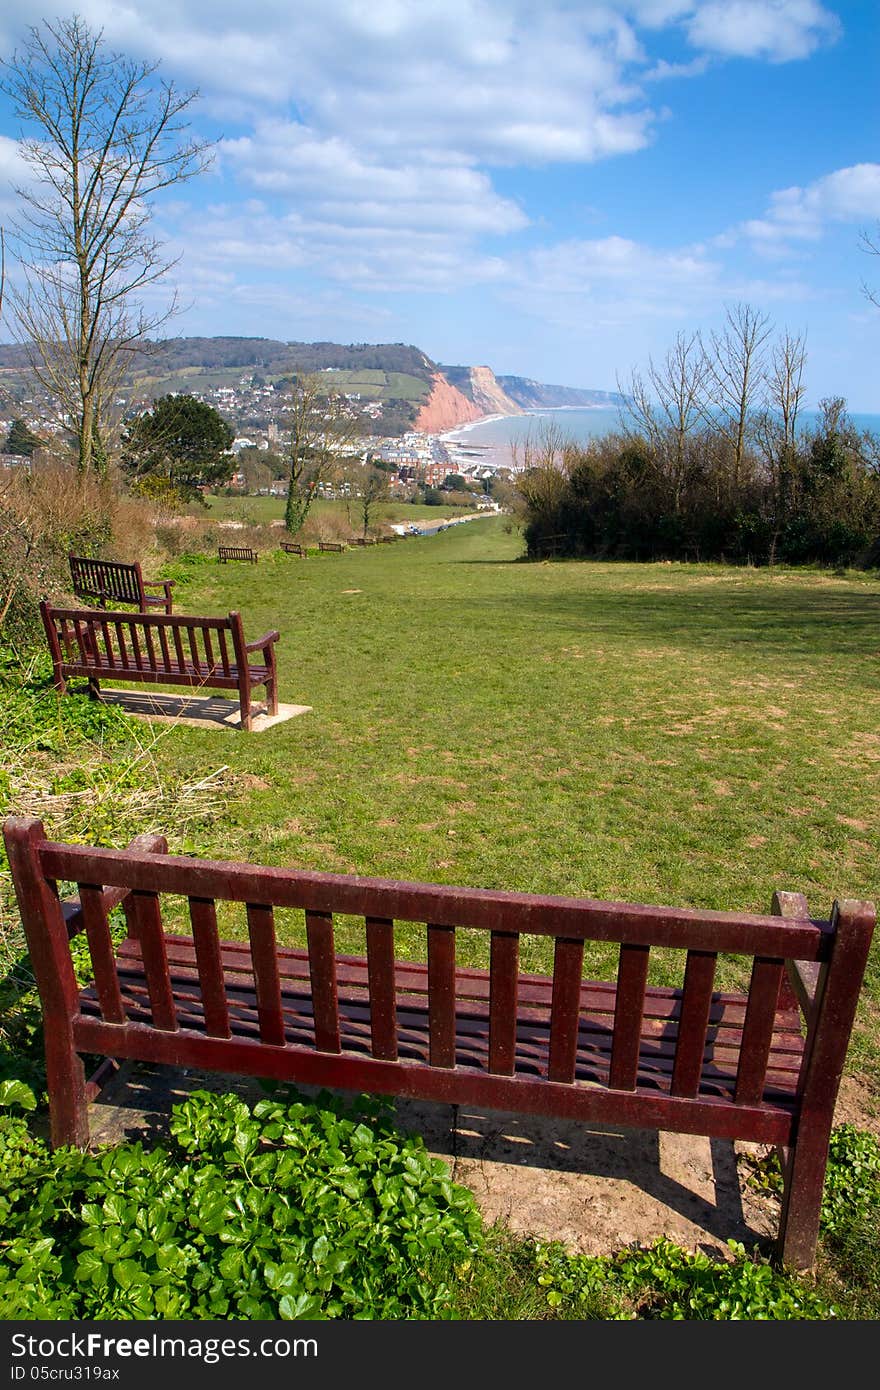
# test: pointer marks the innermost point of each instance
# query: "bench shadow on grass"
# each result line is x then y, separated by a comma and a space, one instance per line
510, 1156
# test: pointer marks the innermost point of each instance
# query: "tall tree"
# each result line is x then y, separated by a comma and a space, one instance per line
735, 365
666, 408
322, 434
181, 445
109, 137
21, 440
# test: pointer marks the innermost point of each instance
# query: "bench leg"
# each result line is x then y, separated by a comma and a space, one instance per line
94, 688
803, 1172
66, 1084
272, 683
244, 704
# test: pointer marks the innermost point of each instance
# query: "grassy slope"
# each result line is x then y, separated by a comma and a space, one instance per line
668, 734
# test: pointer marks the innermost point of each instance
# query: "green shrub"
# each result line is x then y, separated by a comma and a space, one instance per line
287, 1210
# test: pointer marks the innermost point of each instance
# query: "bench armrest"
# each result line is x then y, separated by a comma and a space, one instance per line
73, 913
804, 979
263, 642
166, 584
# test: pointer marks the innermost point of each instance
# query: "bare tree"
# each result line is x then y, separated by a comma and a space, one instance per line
323, 429
373, 487
734, 378
776, 426
666, 407
870, 243
108, 139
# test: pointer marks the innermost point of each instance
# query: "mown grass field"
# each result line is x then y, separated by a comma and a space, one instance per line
262, 511
668, 734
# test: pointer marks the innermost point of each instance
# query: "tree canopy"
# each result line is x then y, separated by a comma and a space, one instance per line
21, 439
183, 441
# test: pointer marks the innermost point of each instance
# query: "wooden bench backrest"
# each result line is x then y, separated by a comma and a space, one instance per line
837, 948
236, 552
106, 579
143, 642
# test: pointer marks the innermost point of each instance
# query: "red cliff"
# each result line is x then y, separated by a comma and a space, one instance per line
445, 408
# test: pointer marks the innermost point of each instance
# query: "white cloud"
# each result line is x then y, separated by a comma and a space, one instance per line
778, 30
801, 214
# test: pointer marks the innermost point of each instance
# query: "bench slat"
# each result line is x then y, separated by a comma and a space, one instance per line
264, 954
144, 917
102, 954
472, 1033
767, 978
503, 999
322, 972
568, 962
224, 651
632, 978
696, 1002
381, 970
203, 916
441, 995
163, 643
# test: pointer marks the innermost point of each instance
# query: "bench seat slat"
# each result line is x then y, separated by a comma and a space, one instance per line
472, 1036
708, 1115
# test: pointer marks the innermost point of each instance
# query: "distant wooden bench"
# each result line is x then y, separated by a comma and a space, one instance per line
331, 545
361, 540
119, 582
692, 1060
294, 548
236, 552
156, 649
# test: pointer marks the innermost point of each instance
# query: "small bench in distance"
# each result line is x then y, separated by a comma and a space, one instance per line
157, 649
236, 552
119, 582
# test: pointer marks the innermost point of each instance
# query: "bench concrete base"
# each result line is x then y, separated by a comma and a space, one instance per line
198, 711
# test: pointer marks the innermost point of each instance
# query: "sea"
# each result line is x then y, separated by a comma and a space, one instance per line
500, 440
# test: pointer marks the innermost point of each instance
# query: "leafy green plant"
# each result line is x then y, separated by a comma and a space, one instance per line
292, 1209
852, 1177
664, 1281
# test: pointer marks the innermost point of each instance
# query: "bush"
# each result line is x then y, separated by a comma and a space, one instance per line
291, 1209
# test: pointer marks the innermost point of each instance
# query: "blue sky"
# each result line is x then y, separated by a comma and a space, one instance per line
555, 189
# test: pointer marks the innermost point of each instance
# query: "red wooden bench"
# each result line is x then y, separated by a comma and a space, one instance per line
155, 649
120, 583
236, 552
294, 548
693, 1060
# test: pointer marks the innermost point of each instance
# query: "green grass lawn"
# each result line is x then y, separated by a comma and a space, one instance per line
668, 734
262, 511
